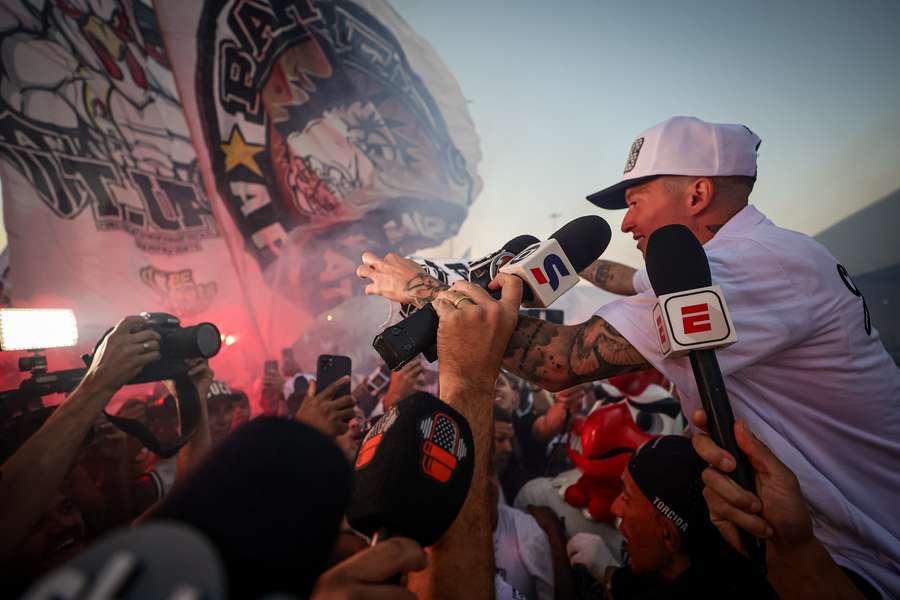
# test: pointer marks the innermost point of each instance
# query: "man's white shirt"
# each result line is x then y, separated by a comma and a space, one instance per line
812, 384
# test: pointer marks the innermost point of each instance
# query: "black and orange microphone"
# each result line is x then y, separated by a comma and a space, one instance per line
413, 471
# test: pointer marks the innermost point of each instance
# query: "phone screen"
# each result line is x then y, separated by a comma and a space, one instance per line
330, 368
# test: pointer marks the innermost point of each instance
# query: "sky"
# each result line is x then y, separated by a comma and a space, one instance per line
558, 91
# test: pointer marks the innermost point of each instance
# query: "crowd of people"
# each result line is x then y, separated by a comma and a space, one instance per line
594, 476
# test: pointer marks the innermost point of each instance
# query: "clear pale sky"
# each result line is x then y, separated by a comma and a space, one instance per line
558, 91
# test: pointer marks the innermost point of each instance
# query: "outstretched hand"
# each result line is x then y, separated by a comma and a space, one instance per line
399, 279
323, 411
474, 329
777, 512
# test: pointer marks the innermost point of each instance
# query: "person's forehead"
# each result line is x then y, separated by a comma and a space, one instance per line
503, 427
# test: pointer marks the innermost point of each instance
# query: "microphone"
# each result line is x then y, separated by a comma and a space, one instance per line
413, 471
692, 318
159, 561
483, 270
417, 333
550, 268
270, 498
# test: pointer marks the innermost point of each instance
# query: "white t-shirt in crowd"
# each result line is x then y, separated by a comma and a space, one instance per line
812, 384
522, 553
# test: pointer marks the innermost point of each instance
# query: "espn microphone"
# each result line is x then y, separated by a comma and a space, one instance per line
417, 333
413, 471
550, 268
691, 318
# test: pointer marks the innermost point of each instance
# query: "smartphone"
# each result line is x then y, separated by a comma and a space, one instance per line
270, 367
330, 368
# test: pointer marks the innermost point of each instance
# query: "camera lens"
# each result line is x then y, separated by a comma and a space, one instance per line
208, 340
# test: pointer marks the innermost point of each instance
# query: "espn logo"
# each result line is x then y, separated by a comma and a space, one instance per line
693, 320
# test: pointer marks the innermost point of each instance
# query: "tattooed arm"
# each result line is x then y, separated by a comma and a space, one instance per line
552, 356
560, 356
399, 279
610, 276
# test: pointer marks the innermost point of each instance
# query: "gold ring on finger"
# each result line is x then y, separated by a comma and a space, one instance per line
462, 299
146, 346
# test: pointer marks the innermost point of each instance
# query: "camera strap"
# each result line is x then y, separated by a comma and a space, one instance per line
188, 417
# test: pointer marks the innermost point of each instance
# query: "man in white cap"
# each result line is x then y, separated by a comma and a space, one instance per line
808, 373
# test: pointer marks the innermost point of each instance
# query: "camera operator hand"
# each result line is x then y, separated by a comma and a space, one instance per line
200, 374
323, 411
799, 566
367, 573
32, 476
122, 354
399, 279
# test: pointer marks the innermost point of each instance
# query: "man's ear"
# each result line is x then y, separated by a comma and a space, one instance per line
670, 534
699, 194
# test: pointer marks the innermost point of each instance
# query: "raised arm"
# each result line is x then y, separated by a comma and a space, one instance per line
556, 357
552, 356
610, 276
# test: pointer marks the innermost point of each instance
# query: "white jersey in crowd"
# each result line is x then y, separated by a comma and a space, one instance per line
807, 377
523, 556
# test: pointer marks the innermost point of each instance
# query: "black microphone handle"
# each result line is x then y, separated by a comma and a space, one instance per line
720, 423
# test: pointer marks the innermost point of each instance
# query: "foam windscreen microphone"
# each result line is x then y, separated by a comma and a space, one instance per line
691, 318
270, 498
550, 268
158, 561
413, 471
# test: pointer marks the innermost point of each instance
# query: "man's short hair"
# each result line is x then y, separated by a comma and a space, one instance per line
736, 187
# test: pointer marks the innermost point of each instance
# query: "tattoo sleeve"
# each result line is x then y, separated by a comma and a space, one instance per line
424, 288
610, 276
558, 356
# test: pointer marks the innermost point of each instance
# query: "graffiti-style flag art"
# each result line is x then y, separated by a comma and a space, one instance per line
224, 160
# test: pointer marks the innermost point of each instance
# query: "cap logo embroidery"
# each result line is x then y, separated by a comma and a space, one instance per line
633, 155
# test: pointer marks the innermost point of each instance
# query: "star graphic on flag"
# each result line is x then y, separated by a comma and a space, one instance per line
239, 152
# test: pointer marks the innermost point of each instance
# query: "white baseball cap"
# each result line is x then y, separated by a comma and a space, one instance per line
684, 146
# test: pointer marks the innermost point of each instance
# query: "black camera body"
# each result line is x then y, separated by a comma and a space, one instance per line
176, 344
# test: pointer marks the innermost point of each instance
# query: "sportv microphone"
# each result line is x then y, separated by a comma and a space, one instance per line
413, 471
691, 318
550, 268
417, 333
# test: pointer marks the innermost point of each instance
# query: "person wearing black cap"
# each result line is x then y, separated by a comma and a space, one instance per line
674, 550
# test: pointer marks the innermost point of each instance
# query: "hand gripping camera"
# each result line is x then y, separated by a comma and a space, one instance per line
177, 343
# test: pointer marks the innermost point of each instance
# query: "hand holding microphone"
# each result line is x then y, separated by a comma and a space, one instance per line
691, 318
548, 269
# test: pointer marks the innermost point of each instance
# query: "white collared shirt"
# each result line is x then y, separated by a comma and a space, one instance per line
812, 384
